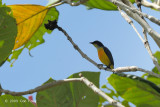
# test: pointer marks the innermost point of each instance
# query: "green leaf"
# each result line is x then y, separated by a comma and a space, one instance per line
101, 101
136, 90
73, 94
110, 92
37, 38
8, 32
154, 79
99, 4
15, 55
14, 101
157, 55
102, 4
125, 103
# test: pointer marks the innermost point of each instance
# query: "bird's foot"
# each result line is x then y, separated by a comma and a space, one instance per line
107, 68
100, 66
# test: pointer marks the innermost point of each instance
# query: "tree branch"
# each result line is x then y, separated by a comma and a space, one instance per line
101, 93
153, 33
40, 88
145, 42
76, 3
134, 10
71, 2
150, 5
56, 4
131, 68
147, 46
137, 18
59, 82
125, 16
78, 49
134, 69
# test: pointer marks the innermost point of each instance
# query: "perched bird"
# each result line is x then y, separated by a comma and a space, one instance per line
104, 54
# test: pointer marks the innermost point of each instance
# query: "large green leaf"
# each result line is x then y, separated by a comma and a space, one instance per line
14, 101
8, 32
136, 90
37, 38
73, 94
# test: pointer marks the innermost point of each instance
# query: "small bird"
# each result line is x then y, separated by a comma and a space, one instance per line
104, 54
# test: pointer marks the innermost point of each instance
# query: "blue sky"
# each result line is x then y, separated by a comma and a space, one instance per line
57, 58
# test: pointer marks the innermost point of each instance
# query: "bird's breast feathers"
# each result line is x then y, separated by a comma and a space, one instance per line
103, 57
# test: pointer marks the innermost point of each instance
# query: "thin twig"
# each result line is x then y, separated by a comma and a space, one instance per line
73, 3
135, 16
145, 42
131, 68
143, 2
150, 5
78, 49
151, 18
56, 4
139, 19
125, 16
134, 10
147, 46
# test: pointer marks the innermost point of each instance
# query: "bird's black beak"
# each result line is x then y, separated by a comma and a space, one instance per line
91, 42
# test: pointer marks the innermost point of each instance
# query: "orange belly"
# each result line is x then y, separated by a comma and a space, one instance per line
103, 57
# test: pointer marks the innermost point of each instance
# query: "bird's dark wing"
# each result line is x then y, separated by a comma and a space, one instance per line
106, 50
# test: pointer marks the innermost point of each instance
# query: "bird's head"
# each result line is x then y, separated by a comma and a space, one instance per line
97, 44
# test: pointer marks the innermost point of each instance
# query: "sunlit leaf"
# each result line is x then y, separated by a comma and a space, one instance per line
30, 20
99, 4
102, 4
157, 55
153, 78
14, 101
136, 90
73, 94
8, 32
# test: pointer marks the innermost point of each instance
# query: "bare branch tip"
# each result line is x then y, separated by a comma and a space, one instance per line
80, 75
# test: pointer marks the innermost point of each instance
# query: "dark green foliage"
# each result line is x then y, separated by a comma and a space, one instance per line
73, 94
